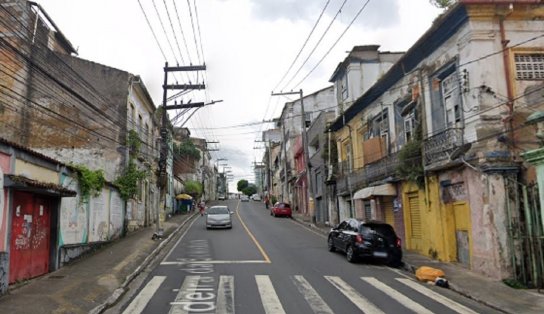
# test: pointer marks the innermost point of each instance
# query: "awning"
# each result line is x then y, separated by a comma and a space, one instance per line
184, 197
387, 189
25, 184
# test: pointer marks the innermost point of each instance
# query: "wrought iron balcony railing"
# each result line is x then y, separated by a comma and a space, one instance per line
437, 148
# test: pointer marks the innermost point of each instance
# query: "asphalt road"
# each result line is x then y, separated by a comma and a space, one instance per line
276, 265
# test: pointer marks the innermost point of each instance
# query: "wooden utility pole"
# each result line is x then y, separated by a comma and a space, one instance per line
164, 152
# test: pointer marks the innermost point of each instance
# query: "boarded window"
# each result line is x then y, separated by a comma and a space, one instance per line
529, 66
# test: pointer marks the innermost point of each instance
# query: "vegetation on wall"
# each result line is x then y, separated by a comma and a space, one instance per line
90, 182
443, 4
133, 142
410, 166
128, 182
334, 153
187, 149
193, 188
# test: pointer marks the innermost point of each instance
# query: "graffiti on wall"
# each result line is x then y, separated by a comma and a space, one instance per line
73, 219
116, 215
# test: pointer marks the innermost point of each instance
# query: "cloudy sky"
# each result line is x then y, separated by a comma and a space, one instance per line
247, 46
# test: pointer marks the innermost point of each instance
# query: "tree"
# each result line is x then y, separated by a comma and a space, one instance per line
250, 190
443, 4
193, 188
241, 185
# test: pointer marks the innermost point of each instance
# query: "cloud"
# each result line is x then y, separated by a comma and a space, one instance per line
377, 14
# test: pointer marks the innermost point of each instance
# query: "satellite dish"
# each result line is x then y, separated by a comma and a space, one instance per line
460, 150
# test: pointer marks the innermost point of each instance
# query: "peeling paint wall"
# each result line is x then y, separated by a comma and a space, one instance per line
4, 168
73, 218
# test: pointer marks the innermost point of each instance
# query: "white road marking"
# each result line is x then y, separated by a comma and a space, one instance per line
312, 297
361, 302
269, 298
189, 286
225, 295
140, 302
180, 238
397, 296
217, 262
459, 308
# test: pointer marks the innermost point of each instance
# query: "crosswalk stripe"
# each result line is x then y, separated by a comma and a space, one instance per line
225, 295
189, 286
139, 303
312, 297
459, 308
361, 302
397, 296
269, 298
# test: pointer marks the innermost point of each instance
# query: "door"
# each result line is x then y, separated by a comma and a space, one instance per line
462, 232
30, 236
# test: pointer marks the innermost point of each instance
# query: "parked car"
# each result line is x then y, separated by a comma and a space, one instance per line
256, 197
218, 217
366, 239
244, 198
221, 197
281, 209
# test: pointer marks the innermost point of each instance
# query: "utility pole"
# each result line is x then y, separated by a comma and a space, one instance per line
309, 191
165, 151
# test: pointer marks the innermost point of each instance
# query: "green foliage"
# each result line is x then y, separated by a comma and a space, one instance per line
250, 190
90, 182
241, 185
410, 166
443, 4
128, 182
334, 153
133, 142
273, 199
187, 149
513, 283
193, 188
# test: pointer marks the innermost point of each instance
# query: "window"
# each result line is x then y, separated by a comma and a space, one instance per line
368, 209
344, 87
130, 116
451, 99
409, 125
529, 66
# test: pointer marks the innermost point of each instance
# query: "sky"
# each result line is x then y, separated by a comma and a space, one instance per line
248, 46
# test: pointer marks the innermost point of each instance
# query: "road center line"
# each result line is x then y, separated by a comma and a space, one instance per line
266, 258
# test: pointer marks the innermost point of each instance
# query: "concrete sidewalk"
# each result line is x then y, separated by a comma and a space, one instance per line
490, 292
96, 280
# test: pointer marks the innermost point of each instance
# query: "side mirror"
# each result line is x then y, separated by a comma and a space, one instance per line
231, 213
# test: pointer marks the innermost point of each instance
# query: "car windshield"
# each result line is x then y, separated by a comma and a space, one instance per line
218, 210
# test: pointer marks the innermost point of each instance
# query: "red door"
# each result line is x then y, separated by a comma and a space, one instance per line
30, 236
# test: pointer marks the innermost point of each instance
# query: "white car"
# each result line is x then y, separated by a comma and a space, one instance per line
218, 217
256, 197
244, 198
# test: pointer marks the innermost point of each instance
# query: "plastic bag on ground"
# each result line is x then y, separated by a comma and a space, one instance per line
425, 273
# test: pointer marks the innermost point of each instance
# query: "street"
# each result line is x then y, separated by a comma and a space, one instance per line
276, 265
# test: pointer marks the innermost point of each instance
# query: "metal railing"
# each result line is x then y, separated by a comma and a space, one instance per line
438, 147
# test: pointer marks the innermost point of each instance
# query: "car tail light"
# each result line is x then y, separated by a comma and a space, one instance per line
359, 238
398, 242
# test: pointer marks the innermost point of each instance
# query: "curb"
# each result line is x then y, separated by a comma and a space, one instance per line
117, 293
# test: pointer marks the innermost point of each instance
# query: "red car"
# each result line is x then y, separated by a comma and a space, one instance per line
281, 209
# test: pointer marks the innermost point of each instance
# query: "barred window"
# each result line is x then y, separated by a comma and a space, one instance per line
529, 66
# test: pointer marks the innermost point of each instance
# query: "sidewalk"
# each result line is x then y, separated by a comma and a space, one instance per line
95, 280
482, 289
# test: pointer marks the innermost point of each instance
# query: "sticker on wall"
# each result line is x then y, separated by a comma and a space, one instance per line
18, 211
41, 210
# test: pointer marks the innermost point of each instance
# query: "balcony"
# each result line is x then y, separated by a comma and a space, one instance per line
438, 148
370, 173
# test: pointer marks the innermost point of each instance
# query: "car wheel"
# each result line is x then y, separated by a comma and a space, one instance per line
393, 260
330, 245
350, 255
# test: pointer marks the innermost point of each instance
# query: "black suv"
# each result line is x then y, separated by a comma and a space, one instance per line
366, 239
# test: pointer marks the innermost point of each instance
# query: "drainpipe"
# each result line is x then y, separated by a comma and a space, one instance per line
509, 123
